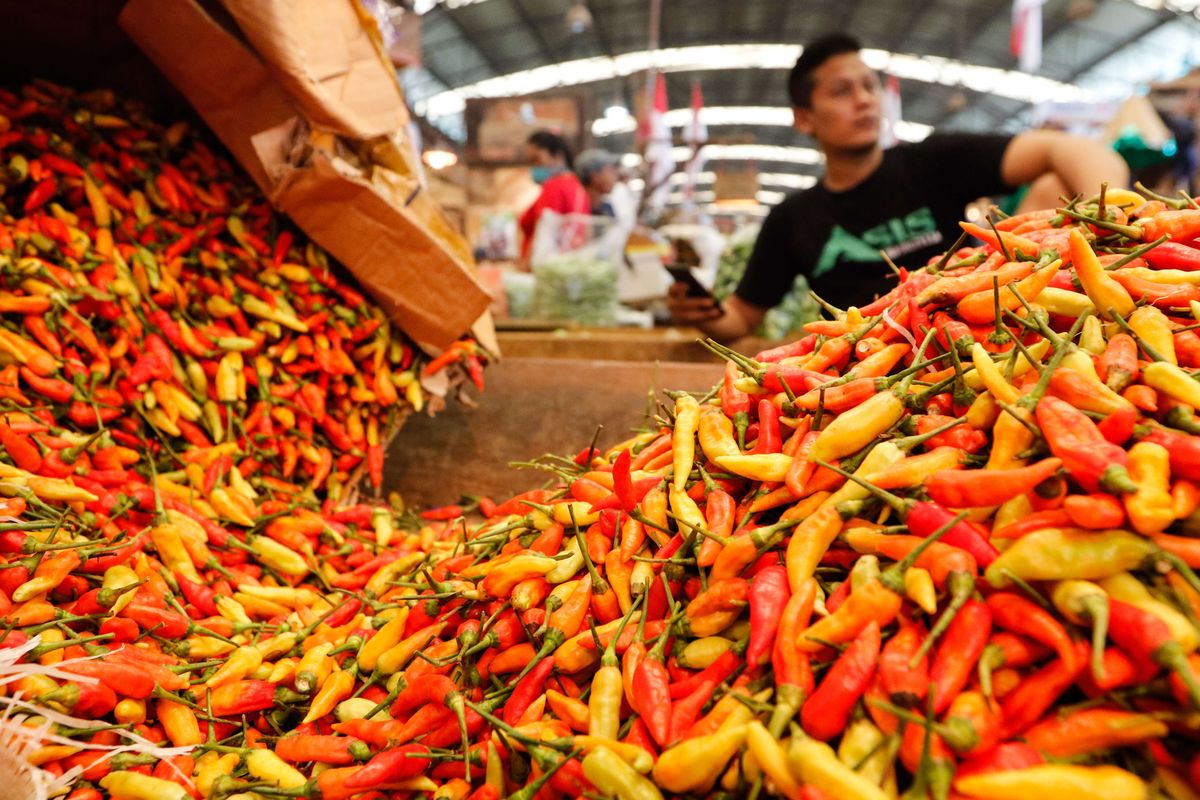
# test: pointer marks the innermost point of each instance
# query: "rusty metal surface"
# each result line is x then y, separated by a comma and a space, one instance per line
531, 406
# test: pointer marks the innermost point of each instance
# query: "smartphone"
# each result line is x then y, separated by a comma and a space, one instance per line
683, 274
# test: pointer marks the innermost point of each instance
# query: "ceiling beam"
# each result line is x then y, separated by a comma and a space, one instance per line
468, 40
598, 31
549, 53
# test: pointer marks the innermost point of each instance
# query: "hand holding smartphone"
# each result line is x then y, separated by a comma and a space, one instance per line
695, 290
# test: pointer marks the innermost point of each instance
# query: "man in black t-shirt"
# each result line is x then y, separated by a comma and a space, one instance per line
905, 201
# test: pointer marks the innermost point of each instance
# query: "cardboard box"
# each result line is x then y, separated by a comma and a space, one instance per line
314, 113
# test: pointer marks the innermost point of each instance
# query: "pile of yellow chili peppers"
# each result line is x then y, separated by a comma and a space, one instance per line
941, 546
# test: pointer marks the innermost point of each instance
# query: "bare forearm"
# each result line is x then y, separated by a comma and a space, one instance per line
727, 327
1081, 164
1085, 164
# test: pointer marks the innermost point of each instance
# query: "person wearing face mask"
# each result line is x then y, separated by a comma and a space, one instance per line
562, 191
905, 201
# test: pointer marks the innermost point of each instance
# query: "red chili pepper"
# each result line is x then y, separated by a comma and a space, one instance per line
768, 440
1144, 636
903, 669
974, 488
963, 436
1088, 457
826, 713
652, 693
958, 652
768, 595
20, 449
1031, 699
395, 764
52, 388
1013, 612
527, 690
40, 195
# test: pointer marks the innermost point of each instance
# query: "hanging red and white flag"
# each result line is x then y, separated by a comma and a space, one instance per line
695, 134
890, 108
1025, 42
658, 147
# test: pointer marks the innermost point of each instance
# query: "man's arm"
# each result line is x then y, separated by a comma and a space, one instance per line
740, 318
1081, 164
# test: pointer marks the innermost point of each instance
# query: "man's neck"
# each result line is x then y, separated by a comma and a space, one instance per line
845, 170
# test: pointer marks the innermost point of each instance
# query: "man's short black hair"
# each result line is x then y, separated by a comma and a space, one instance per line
816, 53
553, 144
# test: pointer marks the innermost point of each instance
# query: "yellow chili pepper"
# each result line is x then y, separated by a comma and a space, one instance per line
695, 764
631, 754
1064, 302
700, 653
136, 786
500, 581
259, 308
1172, 381
264, 765
336, 688
1151, 508
578, 512
1152, 327
882, 456
384, 639
1110, 298
816, 763
232, 610
241, 662
919, 588
683, 439
565, 569
715, 433
174, 555
771, 467
314, 668
1055, 780
120, 576
397, 657
278, 557
224, 764
856, 428
1091, 338
863, 749
686, 512
129, 710
378, 583
277, 645
810, 539
771, 758
1038, 350
179, 722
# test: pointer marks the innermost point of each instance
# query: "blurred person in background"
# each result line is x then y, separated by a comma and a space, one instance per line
562, 191
597, 171
906, 201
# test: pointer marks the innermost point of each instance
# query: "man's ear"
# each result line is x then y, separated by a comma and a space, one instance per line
802, 120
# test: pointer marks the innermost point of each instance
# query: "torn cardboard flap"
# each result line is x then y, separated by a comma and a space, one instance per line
432, 296
397, 243
324, 57
227, 85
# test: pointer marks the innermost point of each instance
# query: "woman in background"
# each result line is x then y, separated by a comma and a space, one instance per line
562, 191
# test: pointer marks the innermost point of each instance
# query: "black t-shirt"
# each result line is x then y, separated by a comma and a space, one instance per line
909, 207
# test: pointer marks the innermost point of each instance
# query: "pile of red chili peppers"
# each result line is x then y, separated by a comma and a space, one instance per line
943, 546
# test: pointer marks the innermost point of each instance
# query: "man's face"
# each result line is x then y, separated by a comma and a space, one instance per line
604, 179
844, 113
